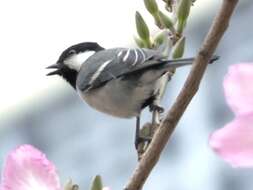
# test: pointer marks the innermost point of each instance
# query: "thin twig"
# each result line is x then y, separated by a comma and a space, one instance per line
163, 133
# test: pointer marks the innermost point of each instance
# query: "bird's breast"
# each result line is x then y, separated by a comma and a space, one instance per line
115, 98
123, 97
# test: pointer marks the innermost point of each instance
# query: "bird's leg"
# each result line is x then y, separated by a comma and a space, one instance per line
138, 137
156, 110
155, 107
137, 132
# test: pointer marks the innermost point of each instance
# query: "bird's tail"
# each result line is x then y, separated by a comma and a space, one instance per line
175, 63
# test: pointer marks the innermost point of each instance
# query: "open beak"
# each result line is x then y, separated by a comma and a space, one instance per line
55, 72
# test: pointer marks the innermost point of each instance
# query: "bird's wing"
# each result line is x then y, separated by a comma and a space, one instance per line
113, 63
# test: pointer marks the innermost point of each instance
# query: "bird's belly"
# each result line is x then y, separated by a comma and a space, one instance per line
117, 98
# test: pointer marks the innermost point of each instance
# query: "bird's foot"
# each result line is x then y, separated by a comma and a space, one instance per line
154, 107
142, 140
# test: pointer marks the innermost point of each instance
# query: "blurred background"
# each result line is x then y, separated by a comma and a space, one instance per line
47, 113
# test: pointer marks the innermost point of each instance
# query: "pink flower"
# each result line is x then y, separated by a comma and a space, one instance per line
238, 87
234, 142
27, 168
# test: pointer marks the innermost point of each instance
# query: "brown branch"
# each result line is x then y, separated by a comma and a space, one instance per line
163, 133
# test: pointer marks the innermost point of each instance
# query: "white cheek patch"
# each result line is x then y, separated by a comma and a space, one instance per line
75, 61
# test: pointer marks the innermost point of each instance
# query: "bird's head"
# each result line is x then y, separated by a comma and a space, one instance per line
71, 59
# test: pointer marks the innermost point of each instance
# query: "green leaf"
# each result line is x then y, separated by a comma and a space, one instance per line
142, 29
180, 26
139, 42
97, 183
159, 39
178, 49
167, 22
183, 9
151, 6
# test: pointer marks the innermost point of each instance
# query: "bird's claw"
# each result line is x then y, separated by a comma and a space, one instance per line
140, 140
157, 108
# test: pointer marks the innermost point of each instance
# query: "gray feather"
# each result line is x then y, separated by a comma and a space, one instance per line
118, 66
110, 64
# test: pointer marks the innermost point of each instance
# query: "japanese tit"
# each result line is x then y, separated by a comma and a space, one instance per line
120, 81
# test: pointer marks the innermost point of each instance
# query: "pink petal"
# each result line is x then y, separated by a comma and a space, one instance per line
234, 142
27, 168
239, 88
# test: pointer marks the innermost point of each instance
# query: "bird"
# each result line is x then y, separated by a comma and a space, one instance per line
120, 82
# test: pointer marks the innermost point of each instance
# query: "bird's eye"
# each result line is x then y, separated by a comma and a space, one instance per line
71, 52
